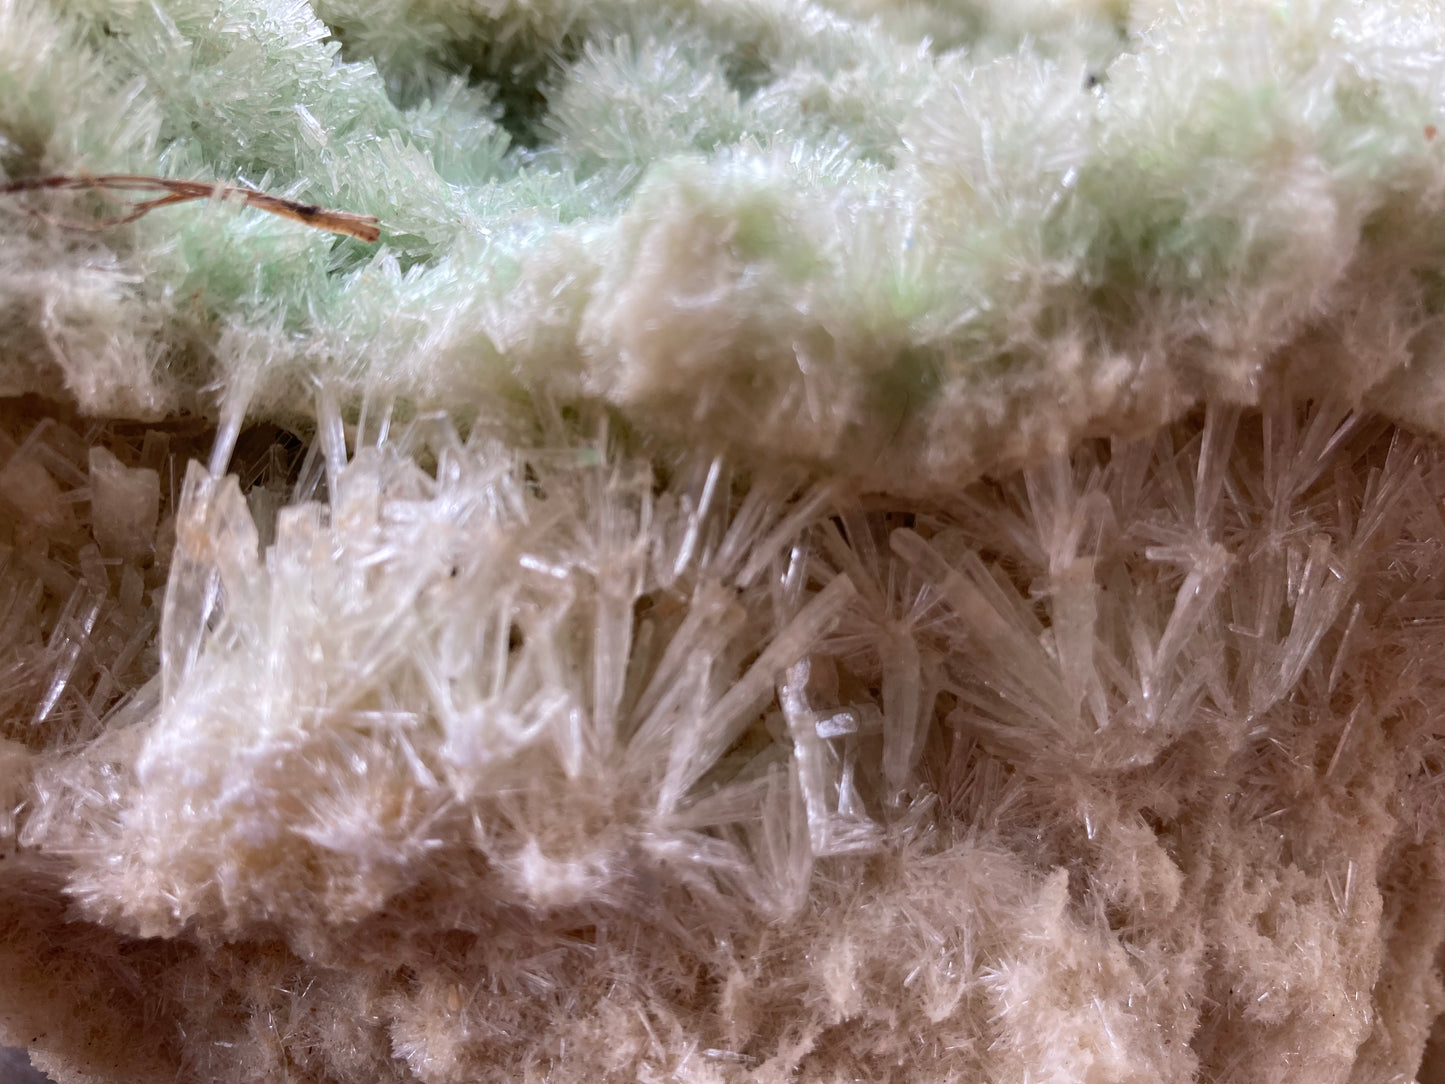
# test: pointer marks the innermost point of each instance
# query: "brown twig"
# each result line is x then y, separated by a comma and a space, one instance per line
362, 227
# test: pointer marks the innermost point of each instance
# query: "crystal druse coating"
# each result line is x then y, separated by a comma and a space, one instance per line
1127, 764
824, 541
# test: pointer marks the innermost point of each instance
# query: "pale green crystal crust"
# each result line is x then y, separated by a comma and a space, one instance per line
904, 244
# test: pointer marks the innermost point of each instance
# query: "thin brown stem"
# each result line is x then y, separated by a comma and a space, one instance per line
362, 227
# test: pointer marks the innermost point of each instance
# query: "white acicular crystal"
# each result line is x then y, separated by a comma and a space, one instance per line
1123, 769
124, 505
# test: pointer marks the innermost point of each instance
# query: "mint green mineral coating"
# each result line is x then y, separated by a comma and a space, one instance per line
738, 223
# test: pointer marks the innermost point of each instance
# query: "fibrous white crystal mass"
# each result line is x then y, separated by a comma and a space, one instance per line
1121, 768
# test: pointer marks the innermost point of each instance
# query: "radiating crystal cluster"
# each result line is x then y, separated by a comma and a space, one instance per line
468, 762
829, 541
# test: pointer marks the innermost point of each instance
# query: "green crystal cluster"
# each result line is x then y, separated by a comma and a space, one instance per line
904, 243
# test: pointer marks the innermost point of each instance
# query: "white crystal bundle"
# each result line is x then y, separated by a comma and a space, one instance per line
464, 762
